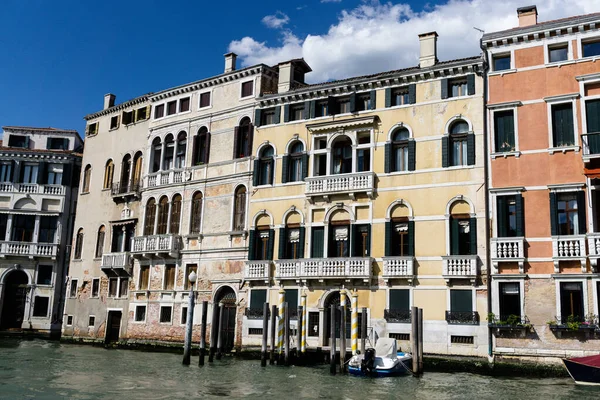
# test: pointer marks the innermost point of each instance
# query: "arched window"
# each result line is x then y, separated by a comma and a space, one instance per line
291, 238
342, 156
163, 215
125, 172
400, 149
242, 143
295, 164
78, 244
459, 143
239, 212
399, 233
264, 167
201, 147
137, 170
109, 170
175, 214
100, 242
181, 148
150, 217
156, 154
169, 153
463, 229
196, 213
87, 176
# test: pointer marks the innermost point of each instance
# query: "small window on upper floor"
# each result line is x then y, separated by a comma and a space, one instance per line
558, 52
204, 99
142, 113
457, 87
159, 111
18, 141
321, 108
343, 105
92, 129
127, 117
114, 122
247, 88
296, 112
184, 104
363, 102
591, 48
172, 107
57, 144
400, 97
268, 117
501, 62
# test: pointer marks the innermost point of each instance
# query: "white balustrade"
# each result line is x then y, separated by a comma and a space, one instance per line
31, 188
324, 268
156, 244
29, 249
508, 249
257, 270
6, 187
117, 261
569, 247
358, 181
398, 267
460, 266
165, 178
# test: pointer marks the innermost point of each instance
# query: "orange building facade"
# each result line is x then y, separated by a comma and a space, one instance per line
543, 113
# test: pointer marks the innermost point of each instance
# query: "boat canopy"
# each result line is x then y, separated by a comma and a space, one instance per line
386, 347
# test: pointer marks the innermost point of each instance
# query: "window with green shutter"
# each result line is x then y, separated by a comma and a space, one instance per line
317, 244
461, 300
506, 207
462, 235
291, 297
399, 237
399, 299
562, 125
504, 131
258, 297
361, 240
592, 116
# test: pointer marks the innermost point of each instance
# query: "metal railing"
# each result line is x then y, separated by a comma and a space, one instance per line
123, 188
254, 313
591, 143
399, 316
462, 317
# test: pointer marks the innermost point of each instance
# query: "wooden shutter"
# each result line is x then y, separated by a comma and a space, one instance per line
562, 121
471, 84
444, 83
42, 178
285, 168
412, 93
581, 212
501, 215
304, 166
331, 105
373, 95
445, 151
13, 171
248, 149
388, 97
312, 109
592, 115
317, 242
286, 113
389, 232
66, 176
270, 244
353, 102
411, 238
461, 300
282, 243
195, 142
272, 177
236, 133
471, 149
520, 214
257, 116
368, 245
207, 148
454, 236
553, 214
256, 172
306, 112
301, 243
353, 243
473, 235
411, 155
388, 157
277, 118
251, 244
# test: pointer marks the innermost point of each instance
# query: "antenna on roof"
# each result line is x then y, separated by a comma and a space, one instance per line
480, 30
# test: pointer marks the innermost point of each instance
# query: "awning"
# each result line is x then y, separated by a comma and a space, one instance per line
31, 212
592, 173
123, 222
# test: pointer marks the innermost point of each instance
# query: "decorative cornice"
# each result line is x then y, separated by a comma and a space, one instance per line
507, 104
341, 124
118, 107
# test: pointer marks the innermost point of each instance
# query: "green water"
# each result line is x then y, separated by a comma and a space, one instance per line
49, 370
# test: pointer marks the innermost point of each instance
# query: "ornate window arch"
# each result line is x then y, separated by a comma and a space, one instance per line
109, 170
239, 208
100, 241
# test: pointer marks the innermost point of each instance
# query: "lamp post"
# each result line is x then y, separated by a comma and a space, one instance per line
187, 347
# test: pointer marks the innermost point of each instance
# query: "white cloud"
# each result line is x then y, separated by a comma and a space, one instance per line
377, 36
276, 20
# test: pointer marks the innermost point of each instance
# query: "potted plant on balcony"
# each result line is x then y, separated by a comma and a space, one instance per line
511, 323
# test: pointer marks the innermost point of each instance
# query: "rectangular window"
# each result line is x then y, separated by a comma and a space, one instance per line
562, 125
459, 150
159, 111
343, 105
47, 229
123, 287
73, 288
400, 97
510, 300
559, 52
267, 117
190, 268
291, 297
95, 287
3, 226
18, 141
6, 172
169, 277
141, 114
296, 112
292, 239
91, 321
29, 173
592, 117
457, 87
204, 99
114, 122
568, 214
57, 144
172, 107
501, 62
69, 320
44, 276
571, 302
23, 227
399, 299
113, 287
92, 129
40, 306
591, 48
261, 245
460, 235
320, 166
183, 320
321, 108
317, 242
313, 324
461, 300
363, 162
127, 117
504, 131
165, 314
54, 174
140, 314
362, 240
258, 297
363, 102
400, 242
247, 88
144, 277
507, 216
184, 104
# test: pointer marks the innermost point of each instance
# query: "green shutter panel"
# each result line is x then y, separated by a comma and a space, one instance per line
67, 179
42, 177
282, 243
501, 213
257, 117
520, 215
304, 166
312, 109
302, 239
353, 241
592, 111
277, 118
207, 149
251, 244
48, 143
306, 112
471, 149
236, 134
373, 99
412, 93
411, 155
444, 83
284, 168
286, 113
473, 235
553, 214
581, 212
195, 150
445, 149
368, 246
13, 170
256, 172
353, 102
509, 130
471, 84
388, 97
331, 106
388, 158
317, 242
388, 238
270, 243
454, 237
499, 133
248, 149
411, 238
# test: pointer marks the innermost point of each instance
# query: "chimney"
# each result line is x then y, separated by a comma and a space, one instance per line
230, 62
109, 100
428, 54
284, 83
527, 16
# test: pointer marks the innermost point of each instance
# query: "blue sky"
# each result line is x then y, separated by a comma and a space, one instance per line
60, 57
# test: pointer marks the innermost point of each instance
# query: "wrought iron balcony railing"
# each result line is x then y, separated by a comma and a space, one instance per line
394, 315
462, 317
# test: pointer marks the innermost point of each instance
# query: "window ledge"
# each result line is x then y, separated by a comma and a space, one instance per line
454, 167
506, 154
502, 72
205, 108
590, 58
264, 186
232, 234
560, 63
44, 286
82, 193
395, 173
563, 149
292, 183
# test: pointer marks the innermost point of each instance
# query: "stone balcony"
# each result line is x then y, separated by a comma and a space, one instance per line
117, 264
398, 268
156, 245
125, 190
510, 249
569, 248
593, 241
259, 270
170, 177
31, 250
591, 146
460, 267
325, 186
32, 188
321, 269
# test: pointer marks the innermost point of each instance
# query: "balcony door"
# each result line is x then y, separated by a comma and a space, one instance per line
571, 301
335, 300
510, 299
122, 236
23, 227
339, 239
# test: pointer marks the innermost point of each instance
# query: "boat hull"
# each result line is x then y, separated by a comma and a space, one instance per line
379, 373
583, 374
398, 367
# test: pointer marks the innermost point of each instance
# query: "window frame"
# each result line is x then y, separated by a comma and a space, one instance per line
76, 287
583, 282
492, 110
210, 100
166, 268
496, 298
135, 314
556, 44
140, 276
238, 210
502, 54
48, 306
97, 295
160, 308
556, 101
37, 276
179, 105
387, 295
583, 40
242, 83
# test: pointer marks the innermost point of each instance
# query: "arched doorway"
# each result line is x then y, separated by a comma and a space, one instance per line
226, 296
334, 298
15, 296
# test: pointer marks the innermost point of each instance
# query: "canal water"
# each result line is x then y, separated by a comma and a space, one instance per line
36, 369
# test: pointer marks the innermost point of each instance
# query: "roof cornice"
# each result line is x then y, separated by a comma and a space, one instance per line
118, 107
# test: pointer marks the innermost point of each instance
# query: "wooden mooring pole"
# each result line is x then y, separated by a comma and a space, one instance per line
273, 334
343, 335
363, 331
299, 330
332, 340
213, 332
265, 334
286, 338
220, 332
414, 337
203, 333
420, 340
189, 326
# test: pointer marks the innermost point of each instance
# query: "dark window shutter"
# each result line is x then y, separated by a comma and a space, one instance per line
277, 118
411, 155
271, 243
581, 212
13, 166
251, 244
317, 242
388, 97
388, 238
42, 178
257, 116
553, 214
236, 134
248, 150
304, 166
520, 214
301, 243
592, 114
373, 99
501, 213
16, 171
207, 148
282, 243
284, 168
312, 109
471, 84
48, 140
471, 149
286, 113
195, 141
306, 112
461, 300
353, 102
445, 151
444, 83
66, 176
353, 242
412, 93
256, 172
331, 105
411, 238
368, 246
388, 157
66, 141
473, 235
454, 248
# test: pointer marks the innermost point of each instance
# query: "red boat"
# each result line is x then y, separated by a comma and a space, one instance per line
584, 370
